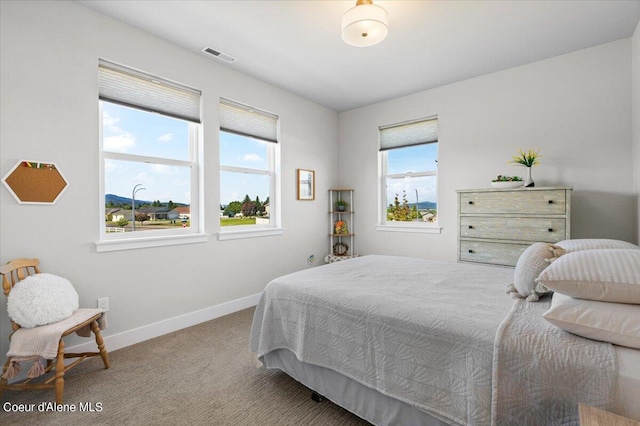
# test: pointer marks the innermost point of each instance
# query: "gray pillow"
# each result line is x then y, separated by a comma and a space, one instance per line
530, 264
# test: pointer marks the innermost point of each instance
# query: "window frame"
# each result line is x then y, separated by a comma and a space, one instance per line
162, 237
383, 175
274, 227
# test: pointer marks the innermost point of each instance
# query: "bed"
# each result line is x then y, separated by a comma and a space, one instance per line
404, 341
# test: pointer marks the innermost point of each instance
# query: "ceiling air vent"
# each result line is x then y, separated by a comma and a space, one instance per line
219, 55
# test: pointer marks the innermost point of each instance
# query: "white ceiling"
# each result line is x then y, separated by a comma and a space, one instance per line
296, 44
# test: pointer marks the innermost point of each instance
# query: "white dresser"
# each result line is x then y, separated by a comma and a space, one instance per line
496, 225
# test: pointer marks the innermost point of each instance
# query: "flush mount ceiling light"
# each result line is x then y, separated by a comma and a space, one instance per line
365, 24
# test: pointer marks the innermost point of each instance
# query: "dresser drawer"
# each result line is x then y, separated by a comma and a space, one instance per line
506, 254
513, 228
520, 201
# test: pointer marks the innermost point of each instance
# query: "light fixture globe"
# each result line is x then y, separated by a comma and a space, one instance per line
364, 25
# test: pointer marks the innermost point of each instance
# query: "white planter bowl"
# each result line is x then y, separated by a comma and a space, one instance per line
508, 184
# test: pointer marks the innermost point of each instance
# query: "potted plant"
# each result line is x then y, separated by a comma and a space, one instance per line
506, 182
341, 205
527, 159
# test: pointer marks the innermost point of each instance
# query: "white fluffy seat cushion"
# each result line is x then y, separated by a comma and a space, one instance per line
41, 299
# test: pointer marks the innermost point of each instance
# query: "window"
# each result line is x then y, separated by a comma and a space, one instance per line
249, 158
408, 160
149, 149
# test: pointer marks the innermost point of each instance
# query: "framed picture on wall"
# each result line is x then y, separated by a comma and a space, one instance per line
306, 180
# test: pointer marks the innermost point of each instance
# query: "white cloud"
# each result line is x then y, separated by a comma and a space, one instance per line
163, 169
110, 165
118, 140
167, 137
119, 143
251, 157
109, 122
142, 177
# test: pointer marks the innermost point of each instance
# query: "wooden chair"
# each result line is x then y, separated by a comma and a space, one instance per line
16, 271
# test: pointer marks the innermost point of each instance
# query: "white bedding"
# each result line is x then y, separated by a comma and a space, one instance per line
401, 326
628, 382
419, 331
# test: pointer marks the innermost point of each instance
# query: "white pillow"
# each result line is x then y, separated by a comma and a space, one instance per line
41, 299
615, 323
531, 262
595, 244
605, 275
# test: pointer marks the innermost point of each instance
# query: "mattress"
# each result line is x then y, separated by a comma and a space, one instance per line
383, 410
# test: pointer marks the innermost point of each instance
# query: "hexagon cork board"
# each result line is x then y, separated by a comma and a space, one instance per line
34, 182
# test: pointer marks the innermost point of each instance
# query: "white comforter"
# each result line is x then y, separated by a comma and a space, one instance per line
419, 331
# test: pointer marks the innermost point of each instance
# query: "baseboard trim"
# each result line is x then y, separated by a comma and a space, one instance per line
146, 332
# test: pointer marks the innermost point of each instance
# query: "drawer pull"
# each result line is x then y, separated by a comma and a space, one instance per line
550, 201
470, 251
550, 229
470, 226
470, 202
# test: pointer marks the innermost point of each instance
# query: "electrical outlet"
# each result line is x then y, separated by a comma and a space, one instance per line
103, 303
311, 259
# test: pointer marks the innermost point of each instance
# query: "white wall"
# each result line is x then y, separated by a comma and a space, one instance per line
49, 112
635, 41
576, 108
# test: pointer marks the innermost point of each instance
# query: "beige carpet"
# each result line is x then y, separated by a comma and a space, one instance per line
203, 375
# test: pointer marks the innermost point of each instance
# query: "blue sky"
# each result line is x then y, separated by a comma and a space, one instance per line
241, 151
418, 158
131, 131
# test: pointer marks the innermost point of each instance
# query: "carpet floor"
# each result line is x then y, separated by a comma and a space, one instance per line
202, 375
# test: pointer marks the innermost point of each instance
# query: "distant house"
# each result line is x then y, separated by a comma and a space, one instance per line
182, 212
155, 213
110, 212
120, 214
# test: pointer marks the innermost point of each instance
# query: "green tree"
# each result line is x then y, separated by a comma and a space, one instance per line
259, 206
248, 208
141, 217
123, 222
171, 205
400, 211
233, 208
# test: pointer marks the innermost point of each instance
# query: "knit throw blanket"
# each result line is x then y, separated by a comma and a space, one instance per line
38, 343
541, 373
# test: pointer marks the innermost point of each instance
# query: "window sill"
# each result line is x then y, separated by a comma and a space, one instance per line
248, 233
409, 227
145, 242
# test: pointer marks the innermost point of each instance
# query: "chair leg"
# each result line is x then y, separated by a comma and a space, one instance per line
100, 342
3, 382
59, 384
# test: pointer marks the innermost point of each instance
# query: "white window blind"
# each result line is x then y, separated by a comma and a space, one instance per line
124, 86
247, 121
415, 132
